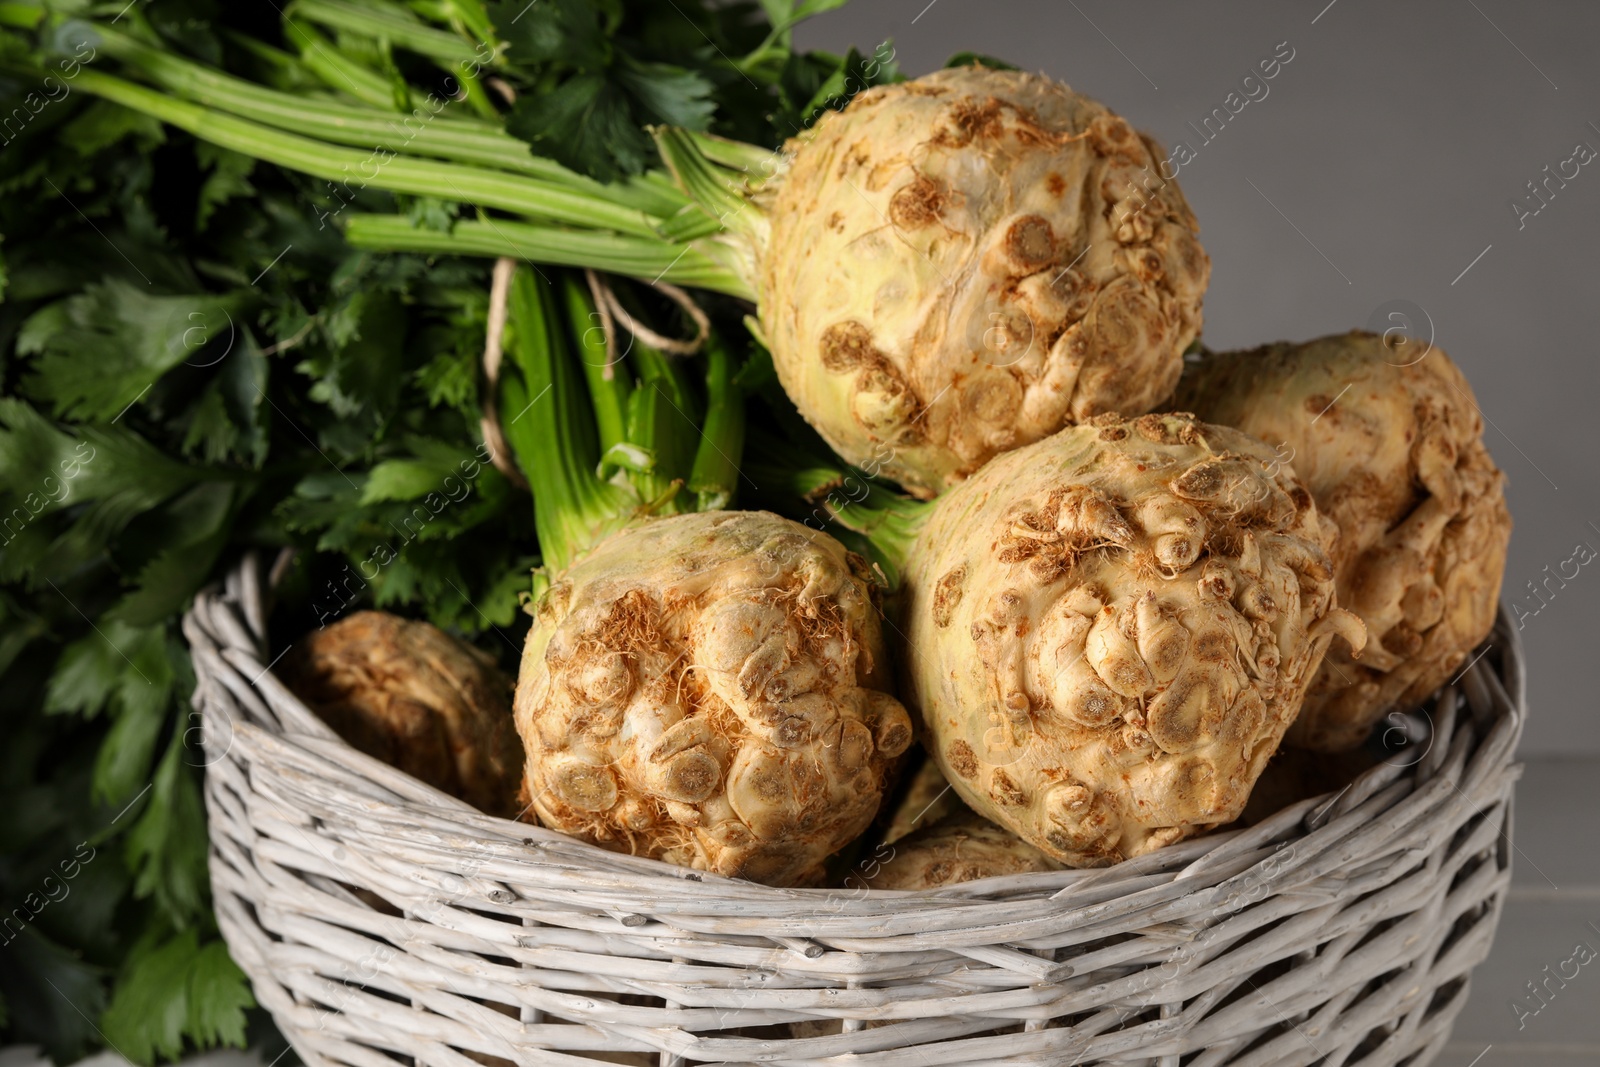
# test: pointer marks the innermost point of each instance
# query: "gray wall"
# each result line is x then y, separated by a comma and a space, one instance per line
1389, 148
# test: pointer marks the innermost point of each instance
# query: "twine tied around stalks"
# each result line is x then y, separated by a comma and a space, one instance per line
499, 453
611, 314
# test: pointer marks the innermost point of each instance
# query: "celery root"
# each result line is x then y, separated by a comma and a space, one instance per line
701, 686
964, 263
1391, 447
1110, 630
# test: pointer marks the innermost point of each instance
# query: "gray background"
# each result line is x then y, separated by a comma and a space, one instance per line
1393, 141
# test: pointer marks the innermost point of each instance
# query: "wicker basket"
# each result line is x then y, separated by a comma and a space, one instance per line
383, 921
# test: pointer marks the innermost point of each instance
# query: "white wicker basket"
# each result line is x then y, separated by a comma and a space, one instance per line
382, 921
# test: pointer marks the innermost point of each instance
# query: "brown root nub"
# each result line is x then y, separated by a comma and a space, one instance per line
917, 204
846, 345
969, 120
690, 778
884, 403
583, 785
1005, 790
962, 759
947, 595
889, 722
1030, 242
1112, 136
1200, 482
893, 737
1155, 428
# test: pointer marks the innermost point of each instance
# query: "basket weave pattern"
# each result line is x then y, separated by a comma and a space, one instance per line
382, 921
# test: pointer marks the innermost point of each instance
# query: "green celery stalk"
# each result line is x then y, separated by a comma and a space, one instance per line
472, 90
608, 389
663, 419
657, 430
337, 70
440, 136
421, 177
468, 18
714, 478
548, 416
23, 16
753, 161
547, 421
887, 521
701, 264
718, 190
392, 24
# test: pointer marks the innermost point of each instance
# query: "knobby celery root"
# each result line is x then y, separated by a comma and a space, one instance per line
709, 689
926, 799
962, 847
961, 264
1111, 629
411, 695
1391, 447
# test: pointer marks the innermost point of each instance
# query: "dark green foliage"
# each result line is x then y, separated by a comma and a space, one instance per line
592, 74
192, 368
194, 365
979, 59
